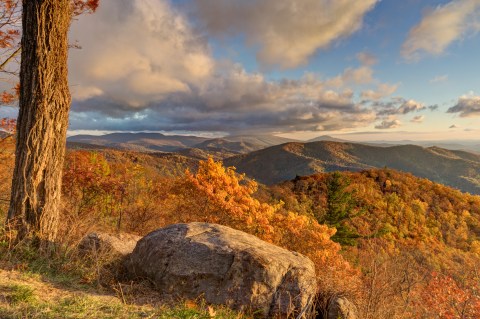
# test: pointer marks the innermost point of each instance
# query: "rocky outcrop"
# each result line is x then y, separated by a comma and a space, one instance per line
117, 245
225, 266
341, 308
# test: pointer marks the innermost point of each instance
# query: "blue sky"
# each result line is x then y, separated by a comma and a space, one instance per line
434, 79
380, 69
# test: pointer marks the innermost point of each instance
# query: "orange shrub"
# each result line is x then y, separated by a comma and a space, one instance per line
219, 195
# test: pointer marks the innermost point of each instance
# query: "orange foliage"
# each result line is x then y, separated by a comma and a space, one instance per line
411, 227
219, 195
7, 149
111, 194
444, 298
399, 208
231, 197
114, 191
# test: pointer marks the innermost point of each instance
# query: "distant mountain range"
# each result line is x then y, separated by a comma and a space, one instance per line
189, 145
279, 163
469, 146
272, 159
230, 145
142, 142
326, 138
464, 145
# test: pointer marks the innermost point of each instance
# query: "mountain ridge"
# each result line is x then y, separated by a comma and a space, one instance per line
157, 142
275, 164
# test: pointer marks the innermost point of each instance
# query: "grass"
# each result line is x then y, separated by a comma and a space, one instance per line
66, 284
28, 296
20, 294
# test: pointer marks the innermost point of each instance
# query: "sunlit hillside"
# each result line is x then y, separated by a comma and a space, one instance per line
392, 242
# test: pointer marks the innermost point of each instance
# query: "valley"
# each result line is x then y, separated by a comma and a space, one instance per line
271, 159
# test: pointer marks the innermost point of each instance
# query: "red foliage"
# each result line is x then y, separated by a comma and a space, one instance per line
445, 298
84, 6
8, 125
9, 23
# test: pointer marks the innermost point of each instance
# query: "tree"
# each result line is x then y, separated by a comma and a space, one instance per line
10, 16
43, 117
341, 207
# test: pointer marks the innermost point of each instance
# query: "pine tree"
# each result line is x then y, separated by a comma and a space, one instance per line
341, 207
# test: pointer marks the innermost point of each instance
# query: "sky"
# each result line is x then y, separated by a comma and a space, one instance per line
366, 69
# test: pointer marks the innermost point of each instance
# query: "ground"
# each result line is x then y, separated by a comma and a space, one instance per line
29, 295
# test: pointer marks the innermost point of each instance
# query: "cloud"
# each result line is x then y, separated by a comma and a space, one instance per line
410, 106
440, 78
144, 67
398, 106
388, 124
367, 59
442, 26
286, 33
233, 101
418, 119
360, 76
135, 51
467, 106
383, 90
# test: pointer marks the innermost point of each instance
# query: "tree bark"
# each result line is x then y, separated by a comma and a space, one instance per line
42, 120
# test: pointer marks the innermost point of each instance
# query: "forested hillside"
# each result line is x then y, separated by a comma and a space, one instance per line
397, 245
457, 169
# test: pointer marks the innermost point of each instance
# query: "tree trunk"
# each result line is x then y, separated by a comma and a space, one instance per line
42, 120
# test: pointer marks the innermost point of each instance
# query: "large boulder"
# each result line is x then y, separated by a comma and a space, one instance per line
225, 266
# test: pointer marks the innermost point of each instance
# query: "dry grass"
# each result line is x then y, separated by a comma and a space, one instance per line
28, 295
68, 283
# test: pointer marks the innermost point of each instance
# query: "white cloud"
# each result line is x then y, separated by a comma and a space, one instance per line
442, 26
286, 32
136, 51
143, 67
360, 75
383, 90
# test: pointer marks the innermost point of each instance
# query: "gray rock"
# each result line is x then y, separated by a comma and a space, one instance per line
224, 266
118, 245
341, 308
